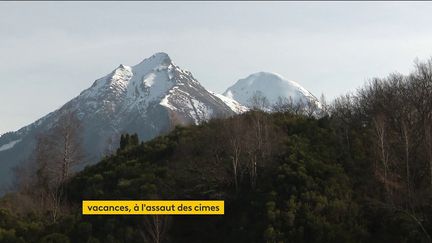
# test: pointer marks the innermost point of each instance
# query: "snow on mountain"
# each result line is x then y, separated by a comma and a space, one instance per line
234, 105
9, 145
154, 81
270, 85
149, 98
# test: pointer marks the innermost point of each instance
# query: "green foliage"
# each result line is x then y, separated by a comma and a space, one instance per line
55, 238
309, 186
128, 141
311, 199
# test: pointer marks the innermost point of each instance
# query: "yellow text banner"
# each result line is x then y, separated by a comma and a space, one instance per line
153, 207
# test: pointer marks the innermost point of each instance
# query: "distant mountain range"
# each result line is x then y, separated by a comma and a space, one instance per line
149, 99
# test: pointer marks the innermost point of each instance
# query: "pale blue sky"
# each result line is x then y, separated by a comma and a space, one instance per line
51, 51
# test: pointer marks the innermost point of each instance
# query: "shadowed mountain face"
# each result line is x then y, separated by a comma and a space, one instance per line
149, 99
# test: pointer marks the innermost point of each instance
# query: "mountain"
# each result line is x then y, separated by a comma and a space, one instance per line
270, 85
149, 99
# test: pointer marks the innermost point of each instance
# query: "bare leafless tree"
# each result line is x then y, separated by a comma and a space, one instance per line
155, 228
380, 132
288, 105
398, 109
258, 101
235, 138
58, 152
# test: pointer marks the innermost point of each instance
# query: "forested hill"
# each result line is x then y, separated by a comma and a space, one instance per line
290, 185
361, 174
295, 190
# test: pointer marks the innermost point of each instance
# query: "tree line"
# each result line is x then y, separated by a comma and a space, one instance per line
358, 169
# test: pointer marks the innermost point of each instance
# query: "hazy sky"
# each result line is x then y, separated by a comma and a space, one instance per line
51, 51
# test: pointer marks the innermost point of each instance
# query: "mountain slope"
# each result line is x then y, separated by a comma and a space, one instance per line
149, 99
270, 85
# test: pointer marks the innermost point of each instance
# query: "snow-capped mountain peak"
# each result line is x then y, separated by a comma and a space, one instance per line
149, 99
158, 60
270, 85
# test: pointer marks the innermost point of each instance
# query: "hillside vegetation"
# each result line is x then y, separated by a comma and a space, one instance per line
362, 173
